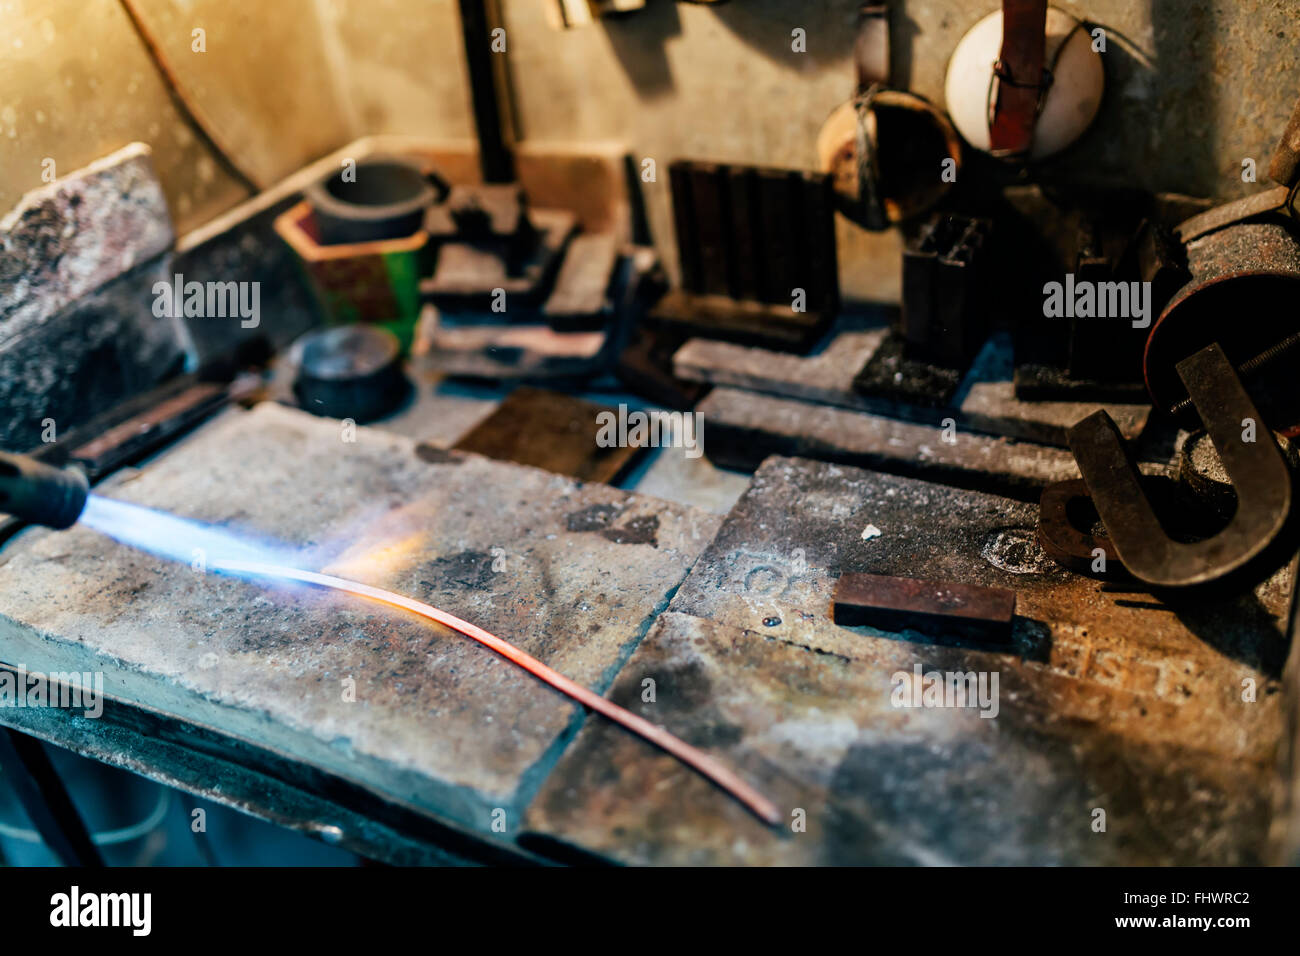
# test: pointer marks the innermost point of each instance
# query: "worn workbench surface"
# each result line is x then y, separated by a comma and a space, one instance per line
746, 427
1109, 701
986, 400
438, 722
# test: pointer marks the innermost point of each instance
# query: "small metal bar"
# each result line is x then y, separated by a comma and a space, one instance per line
894, 604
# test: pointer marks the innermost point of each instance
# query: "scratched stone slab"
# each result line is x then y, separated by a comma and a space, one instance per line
1108, 700
572, 573
987, 400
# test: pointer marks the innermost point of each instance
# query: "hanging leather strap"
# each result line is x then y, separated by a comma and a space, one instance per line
1018, 76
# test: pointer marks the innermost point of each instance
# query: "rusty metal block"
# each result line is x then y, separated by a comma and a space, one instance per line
549, 430
933, 607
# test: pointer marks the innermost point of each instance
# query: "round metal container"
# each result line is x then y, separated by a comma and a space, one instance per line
353, 371
379, 198
1243, 294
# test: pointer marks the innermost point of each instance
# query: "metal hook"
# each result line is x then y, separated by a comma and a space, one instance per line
1258, 472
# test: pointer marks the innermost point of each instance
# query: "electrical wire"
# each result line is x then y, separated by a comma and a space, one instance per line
105, 837
699, 761
188, 107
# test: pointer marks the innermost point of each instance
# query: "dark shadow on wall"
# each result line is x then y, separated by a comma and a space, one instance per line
766, 27
903, 30
639, 40
1158, 124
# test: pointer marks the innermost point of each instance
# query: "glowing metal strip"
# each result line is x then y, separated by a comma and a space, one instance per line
713, 769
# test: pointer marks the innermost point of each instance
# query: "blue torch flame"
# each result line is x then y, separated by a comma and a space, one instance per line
178, 539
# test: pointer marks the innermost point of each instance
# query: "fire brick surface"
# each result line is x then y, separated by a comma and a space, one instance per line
989, 403
1122, 733
571, 573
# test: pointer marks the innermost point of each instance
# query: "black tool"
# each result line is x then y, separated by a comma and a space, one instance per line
944, 315
42, 494
46, 800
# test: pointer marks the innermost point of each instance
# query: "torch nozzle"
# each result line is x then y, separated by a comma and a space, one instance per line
39, 493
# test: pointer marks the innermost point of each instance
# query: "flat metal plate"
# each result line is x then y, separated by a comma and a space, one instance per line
894, 603
986, 400
438, 722
1108, 701
550, 430
743, 428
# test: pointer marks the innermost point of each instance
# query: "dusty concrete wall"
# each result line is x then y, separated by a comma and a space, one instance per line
75, 85
400, 65
77, 82
1195, 86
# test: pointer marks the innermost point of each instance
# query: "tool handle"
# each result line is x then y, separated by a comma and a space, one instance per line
39, 493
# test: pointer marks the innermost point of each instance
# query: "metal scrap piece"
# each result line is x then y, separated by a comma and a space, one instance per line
935, 607
1258, 471
1062, 539
550, 430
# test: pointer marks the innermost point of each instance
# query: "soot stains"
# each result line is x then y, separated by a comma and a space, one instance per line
595, 518
643, 530
436, 456
466, 569
600, 519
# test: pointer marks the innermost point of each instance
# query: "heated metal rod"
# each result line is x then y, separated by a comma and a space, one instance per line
46, 800
710, 768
